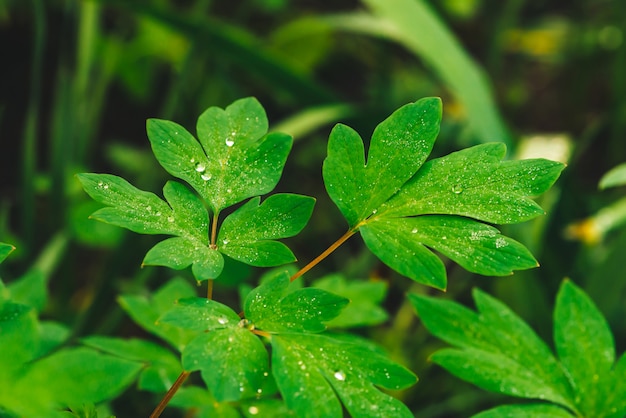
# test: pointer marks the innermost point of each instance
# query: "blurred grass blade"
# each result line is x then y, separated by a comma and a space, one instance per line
239, 46
310, 119
413, 24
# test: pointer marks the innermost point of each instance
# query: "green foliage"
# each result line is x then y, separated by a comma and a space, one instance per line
234, 159
400, 205
499, 352
386, 196
31, 357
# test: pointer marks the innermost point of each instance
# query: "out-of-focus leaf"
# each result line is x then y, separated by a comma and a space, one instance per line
365, 297
537, 410
145, 311
614, 177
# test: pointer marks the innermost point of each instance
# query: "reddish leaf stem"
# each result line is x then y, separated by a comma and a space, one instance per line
170, 393
325, 254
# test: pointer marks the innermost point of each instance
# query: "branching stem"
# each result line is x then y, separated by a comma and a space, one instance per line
170, 393
325, 254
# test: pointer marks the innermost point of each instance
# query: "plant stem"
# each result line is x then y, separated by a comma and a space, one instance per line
170, 393
209, 290
325, 254
212, 243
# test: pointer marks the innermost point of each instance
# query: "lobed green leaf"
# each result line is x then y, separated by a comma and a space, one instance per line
272, 307
499, 351
233, 362
247, 234
234, 158
312, 371
477, 247
474, 182
497, 372
398, 147
585, 347
200, 314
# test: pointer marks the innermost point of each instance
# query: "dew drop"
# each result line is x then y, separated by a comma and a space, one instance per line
170, 219
414, 231
225, 242
106, 186
229, 142
200, 168
501, 242
193, 160
205, 177
253, 410
228, 191
100, 183
457, 189
339, 375
222, 320
148, 208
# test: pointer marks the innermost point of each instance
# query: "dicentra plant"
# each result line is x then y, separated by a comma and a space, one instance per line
273, 355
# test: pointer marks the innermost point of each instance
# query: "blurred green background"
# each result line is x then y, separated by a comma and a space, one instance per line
79, 79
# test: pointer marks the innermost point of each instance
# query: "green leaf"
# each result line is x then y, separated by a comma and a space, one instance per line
266, 408
314, 372
233, 362
365, 298
273, 308
234, 159
178, 253
399, 146
202, 403
5, 250
496, 372
406, 256
145, 311
585, 347
477, 247
499, 351
537, 410
80, 375
474, 182
30, 289
183, 215
161, 367
247, 234
614, 177
19, 339
200, 314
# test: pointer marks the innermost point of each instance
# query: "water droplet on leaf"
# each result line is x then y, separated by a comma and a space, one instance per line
339, 375
200, 168
414, 231
457, 189
229, 142
205, 177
